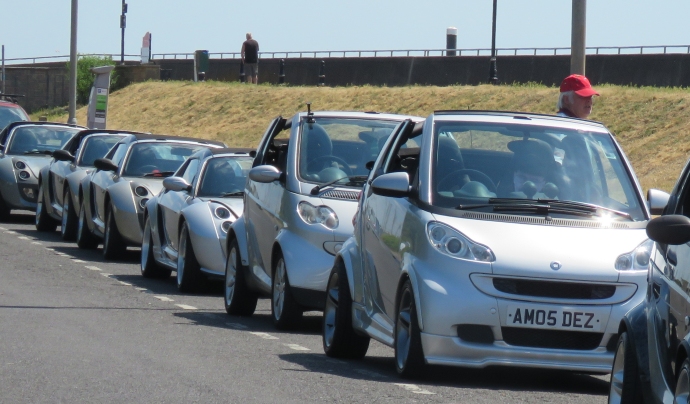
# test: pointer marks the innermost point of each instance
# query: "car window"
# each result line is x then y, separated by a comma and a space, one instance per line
224, 175
474, 162
157, 159
95, 147
191, 170
39, 138
119, 153
11, 114
332, 148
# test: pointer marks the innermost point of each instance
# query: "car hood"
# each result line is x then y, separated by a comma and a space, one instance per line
530, 250
235, 204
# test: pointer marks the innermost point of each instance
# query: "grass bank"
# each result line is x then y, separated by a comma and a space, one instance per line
652, 124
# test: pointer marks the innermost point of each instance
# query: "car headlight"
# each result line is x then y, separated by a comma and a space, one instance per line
142, 203
225, 226
451, 242
141, 191
637, 259
317, 214
20, 165
222, 213
24, 175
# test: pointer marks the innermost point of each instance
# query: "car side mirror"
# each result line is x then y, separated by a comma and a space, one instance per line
657, 201
104, 164
63, 155
264, 174
396, 185
176, 184
669, 229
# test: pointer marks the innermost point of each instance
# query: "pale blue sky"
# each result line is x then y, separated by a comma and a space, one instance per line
42, 27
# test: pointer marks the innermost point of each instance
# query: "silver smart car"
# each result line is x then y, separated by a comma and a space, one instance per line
59, 180
25, 148
185, 225
487, 238
113, 197
300, 198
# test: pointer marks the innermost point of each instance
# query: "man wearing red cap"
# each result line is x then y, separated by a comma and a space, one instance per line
576, 97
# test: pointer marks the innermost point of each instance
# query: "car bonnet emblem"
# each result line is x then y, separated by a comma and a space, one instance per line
555, 265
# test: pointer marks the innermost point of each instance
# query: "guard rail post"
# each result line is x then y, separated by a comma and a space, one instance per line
322, 74
281, 74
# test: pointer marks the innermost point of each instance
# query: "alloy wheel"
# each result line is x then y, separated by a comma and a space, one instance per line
331, 309
181, 257
230, 276
403, 329
279, 289
145, 245
682, 393
617, 375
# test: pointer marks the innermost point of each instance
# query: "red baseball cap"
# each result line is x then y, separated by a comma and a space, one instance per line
579, 84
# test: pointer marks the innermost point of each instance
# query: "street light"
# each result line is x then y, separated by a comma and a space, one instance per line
73, 67
493, 70
123, 24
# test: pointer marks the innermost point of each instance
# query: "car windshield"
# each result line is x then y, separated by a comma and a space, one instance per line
157, 159
333, 148
225, 176
476, 163
39, 139
96, 147
11, 114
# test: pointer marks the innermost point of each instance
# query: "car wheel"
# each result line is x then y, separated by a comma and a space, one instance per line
43, 221
239, 300
189, 276
113, 244
85, 239
682, 393
286, 312
149, 266
68, 227
339, 338
4, 211
409, 356
625, 378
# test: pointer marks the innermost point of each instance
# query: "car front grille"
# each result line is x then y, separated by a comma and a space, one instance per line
336, 194
564, 290
551, 339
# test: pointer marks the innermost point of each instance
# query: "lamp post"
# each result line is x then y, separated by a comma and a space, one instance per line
123, 24
493, 69
72, 119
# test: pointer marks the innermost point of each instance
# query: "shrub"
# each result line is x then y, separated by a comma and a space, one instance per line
85, 77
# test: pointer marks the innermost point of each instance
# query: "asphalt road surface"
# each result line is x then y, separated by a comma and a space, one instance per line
76, 329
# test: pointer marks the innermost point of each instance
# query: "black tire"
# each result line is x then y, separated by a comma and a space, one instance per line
85, 239
624, 387
70, 221
43, 220
409, 355
189, 276
114, 246
339, 338
149, 266
239, 299
285, 311
4, 211
682, 390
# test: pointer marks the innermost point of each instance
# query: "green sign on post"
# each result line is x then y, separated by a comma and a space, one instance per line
98, 101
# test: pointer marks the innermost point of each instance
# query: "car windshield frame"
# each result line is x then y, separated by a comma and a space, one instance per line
39, 141
371, 135
206, 168
160, 170
552, 163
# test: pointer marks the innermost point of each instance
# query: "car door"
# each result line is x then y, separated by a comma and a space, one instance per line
56, 177
381, 236
171, 203
101, 180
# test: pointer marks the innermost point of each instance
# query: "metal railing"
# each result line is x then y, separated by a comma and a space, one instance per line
593, 50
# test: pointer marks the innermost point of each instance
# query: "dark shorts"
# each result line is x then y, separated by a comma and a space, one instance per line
251, 69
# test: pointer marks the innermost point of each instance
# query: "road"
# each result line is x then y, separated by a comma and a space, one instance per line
77, 329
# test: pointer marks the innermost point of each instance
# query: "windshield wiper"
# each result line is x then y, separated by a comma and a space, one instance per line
39, 152
544, 206
352, 178
159, 174
236, 193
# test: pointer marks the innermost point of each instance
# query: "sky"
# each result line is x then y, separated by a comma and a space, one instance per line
33, 28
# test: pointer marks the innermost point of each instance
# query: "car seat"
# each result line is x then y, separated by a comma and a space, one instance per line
531, 156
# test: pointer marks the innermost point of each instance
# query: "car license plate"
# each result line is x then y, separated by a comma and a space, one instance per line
557, 318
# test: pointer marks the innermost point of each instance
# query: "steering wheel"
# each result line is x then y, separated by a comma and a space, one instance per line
147, 168
453, 179
328, 158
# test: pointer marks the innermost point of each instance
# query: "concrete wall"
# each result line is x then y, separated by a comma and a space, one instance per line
46, 85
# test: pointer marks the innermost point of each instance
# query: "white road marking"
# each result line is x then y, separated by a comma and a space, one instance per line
23, 238
106, 275
186, 307
413, 388
141, 289
77, 260
35, 242
10, 232
61, 254
124, 283
2, 228
49, 249
237, 326
93, 268
164, 299
297, 347
263, 335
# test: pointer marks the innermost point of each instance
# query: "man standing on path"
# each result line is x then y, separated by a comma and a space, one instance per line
576, 97
250, 59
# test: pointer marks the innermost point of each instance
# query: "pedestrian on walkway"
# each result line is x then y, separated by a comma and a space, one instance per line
576, 97
250, 59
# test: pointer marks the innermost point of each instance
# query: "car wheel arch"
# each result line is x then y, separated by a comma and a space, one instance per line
275, 251
681, 355
406, 275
